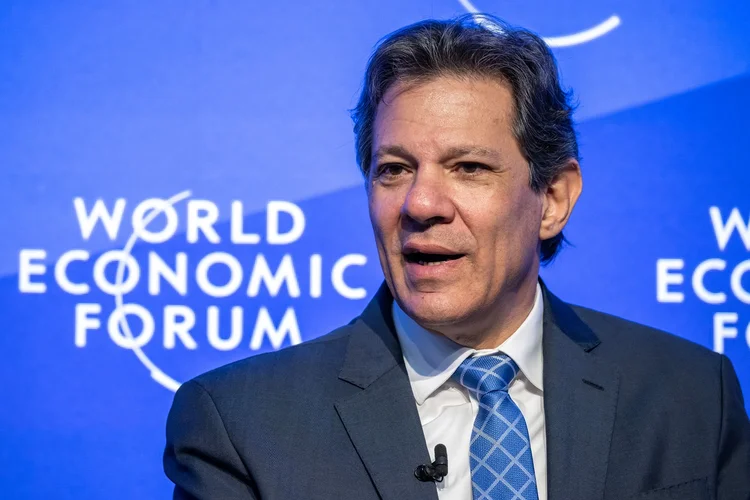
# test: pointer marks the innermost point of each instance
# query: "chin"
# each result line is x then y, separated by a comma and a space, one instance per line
434, 309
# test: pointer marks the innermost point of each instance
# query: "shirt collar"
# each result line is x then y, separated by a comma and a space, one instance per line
431, 358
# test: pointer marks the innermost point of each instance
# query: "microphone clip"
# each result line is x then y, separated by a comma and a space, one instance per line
435, 471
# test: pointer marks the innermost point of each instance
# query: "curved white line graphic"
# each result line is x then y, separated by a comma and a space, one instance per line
588, 35
156, 373
584, 36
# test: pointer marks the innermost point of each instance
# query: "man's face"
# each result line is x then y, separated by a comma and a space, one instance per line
456, 222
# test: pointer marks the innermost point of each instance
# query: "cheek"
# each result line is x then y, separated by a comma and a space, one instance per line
523, 228
509, 232
384, 215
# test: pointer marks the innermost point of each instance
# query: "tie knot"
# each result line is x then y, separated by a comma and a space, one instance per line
483, 374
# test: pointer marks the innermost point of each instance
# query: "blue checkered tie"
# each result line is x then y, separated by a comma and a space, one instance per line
500, 454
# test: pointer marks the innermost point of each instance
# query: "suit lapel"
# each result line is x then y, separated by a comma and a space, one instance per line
382, 419
580, 397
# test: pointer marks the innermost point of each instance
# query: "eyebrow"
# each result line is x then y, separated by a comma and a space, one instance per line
458, 152
451, 154
393, 150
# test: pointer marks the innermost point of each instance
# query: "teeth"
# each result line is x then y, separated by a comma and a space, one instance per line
425, 263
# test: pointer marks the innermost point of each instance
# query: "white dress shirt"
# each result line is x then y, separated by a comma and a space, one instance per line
446, 409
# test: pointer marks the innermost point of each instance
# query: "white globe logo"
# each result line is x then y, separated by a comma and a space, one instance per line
156, 373
578, 38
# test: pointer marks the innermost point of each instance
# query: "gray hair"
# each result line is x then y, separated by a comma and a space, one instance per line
482, 46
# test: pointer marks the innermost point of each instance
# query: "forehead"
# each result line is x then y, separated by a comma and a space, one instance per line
445, 112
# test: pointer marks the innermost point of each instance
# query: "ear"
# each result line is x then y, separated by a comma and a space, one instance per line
559, 199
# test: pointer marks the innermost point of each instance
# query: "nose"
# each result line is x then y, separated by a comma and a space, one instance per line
428, 201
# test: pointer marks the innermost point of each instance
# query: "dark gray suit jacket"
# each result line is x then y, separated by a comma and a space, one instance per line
630, 413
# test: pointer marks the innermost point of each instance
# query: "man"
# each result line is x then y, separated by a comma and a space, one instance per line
467, 146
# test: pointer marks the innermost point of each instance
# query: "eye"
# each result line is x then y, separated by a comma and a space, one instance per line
390, 170
471, 168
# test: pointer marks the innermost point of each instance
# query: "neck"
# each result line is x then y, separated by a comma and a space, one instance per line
490, 327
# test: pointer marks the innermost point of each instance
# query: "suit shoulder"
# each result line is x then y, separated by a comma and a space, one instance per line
319, 355
627, 339
678, 381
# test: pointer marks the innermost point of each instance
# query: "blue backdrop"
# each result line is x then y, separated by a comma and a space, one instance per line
226, 124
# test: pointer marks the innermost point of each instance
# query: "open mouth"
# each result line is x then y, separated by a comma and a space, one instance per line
430, 259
